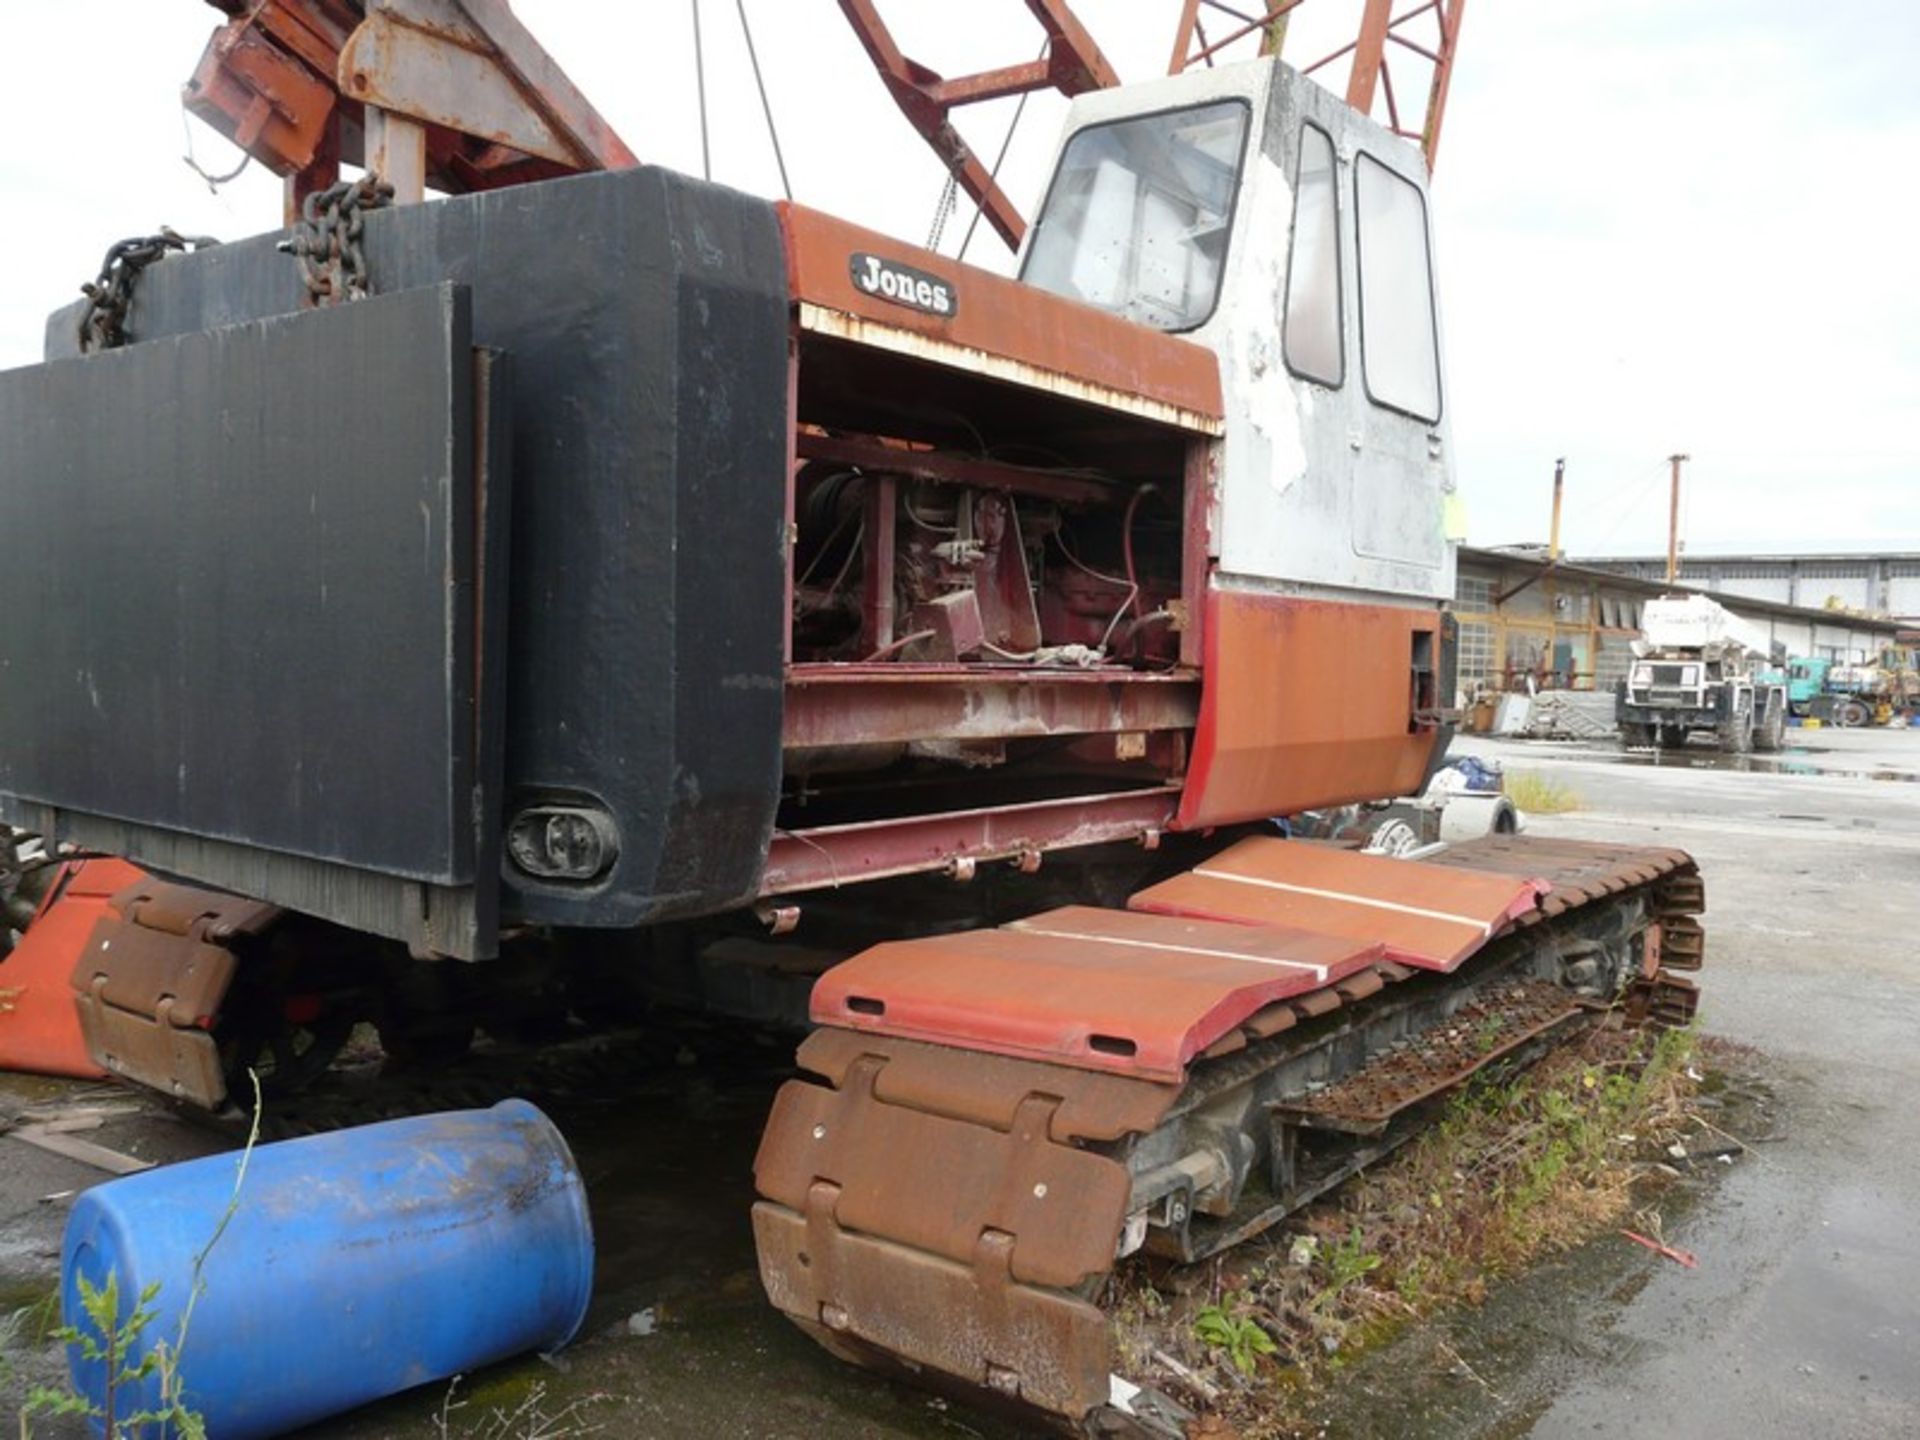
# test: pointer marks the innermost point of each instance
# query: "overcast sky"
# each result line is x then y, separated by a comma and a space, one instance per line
1661, 226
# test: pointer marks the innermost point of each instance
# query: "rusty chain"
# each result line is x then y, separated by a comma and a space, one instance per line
103, 325
327, 241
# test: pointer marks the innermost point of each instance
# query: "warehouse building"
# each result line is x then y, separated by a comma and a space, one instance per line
1879, 584
1562, 625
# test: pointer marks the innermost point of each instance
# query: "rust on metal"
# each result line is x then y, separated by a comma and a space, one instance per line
1070, 63
967, 1321
468, 86
1018, 1181
265, 79
1425, 916
969, 1276
1581, 871
483, 76
987, 1089
1484, 1030
1662, 999
906, 1203
949, 468
834, 855
998, 328
1584, 871
150, 981
1095, 989
1429, 30
1305, 704
896, 703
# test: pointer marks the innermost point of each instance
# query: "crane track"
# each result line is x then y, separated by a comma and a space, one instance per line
954, 1216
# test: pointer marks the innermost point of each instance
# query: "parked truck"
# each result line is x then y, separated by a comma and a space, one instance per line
1847, 695
1698, 667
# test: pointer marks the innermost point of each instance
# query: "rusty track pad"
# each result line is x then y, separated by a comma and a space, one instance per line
1110, 990
1425, 916
150, 981
947, 1225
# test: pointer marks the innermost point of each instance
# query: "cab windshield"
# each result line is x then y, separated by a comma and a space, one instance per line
1137, 217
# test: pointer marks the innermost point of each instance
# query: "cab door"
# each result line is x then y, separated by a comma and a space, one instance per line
1400, 462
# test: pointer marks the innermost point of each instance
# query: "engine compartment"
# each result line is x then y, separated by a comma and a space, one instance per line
992, 590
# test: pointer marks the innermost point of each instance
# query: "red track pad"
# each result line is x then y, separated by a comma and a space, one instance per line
1428, 916
39, 1027
1101, 989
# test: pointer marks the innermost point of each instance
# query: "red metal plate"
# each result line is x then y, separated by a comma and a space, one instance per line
1429, 916
1258, 751
39, 1026
1089, 353
1101, 989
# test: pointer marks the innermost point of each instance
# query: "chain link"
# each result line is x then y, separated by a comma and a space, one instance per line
942, 212
103, 325
327, 241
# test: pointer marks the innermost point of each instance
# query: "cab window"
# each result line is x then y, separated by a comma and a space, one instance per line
1315, 349
1399, 344
1137, 218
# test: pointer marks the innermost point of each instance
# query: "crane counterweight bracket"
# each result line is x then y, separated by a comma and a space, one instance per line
302, 85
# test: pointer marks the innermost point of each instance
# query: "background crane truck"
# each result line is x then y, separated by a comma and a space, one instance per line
500, 598
1700, 668
1850, 695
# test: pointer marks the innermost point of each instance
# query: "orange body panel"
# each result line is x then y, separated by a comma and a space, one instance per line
1306, 703
1072, 343
1428, 916
40, 1026
1115, 990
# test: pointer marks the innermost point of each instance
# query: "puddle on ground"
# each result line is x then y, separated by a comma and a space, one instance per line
1784, 762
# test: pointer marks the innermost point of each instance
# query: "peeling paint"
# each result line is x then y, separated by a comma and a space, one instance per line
1318, 485
823, 321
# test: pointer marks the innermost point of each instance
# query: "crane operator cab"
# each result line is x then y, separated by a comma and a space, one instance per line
1252, 211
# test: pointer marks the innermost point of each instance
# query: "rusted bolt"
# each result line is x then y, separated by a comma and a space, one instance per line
779, 919
1027, 862
960, 868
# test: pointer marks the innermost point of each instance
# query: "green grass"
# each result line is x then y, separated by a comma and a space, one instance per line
1516, 1166
1537, 795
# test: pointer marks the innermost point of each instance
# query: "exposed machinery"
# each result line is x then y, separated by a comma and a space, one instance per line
1699, 667
580, 576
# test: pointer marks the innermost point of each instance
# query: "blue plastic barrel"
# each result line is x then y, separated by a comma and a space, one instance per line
358, 1264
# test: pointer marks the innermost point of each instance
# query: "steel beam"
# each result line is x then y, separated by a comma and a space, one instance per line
1072, 64
494, 107
834, 705
944, 467
1367, 75
835, 855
